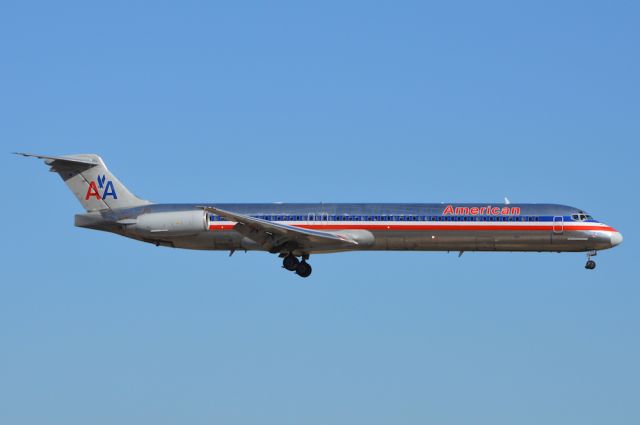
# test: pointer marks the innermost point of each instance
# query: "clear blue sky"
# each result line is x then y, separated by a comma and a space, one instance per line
331, 101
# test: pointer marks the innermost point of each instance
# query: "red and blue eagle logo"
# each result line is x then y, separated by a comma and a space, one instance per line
104, 185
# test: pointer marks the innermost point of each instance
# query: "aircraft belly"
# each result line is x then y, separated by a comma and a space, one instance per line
227, 240
580, 240
219, 240
406, 240
463, 241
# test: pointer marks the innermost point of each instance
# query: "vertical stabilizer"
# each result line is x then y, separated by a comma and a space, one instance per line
91, 182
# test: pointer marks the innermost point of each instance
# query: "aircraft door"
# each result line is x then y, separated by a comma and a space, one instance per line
558, 225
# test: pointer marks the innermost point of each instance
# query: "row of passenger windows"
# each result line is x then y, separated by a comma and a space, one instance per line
386, 218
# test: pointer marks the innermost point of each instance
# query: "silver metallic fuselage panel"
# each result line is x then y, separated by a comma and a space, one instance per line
431, 233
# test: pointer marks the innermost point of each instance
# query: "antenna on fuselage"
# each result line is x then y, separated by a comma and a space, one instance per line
506, 200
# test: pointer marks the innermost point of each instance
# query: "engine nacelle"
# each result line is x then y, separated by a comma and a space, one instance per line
172, 223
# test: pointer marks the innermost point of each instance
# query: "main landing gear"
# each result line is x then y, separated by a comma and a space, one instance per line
590, 263
302, 268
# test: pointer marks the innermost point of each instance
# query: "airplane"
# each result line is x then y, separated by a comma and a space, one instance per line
294, 231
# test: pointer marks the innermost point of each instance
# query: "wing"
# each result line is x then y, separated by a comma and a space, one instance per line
277, 237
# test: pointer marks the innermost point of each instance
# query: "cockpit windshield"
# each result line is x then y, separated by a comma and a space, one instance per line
581, 217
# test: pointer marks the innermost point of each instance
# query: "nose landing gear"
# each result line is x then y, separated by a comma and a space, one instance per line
301, 268
590, 263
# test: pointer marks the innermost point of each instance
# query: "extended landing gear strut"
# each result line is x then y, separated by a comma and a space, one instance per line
302, 268
590, 263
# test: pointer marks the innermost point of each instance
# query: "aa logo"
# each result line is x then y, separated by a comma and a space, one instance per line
104, 185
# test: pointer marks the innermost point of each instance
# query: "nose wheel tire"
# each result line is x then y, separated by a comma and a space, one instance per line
303, 269
290, 263
590, 265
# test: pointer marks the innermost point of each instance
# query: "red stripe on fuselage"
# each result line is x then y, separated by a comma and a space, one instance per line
425, 227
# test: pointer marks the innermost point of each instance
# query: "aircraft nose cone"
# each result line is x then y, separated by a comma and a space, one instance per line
616, 238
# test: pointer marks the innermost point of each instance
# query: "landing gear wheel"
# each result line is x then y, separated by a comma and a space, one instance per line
590, 265
290, 263
303, 269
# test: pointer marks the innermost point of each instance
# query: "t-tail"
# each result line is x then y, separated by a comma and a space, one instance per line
91, 182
